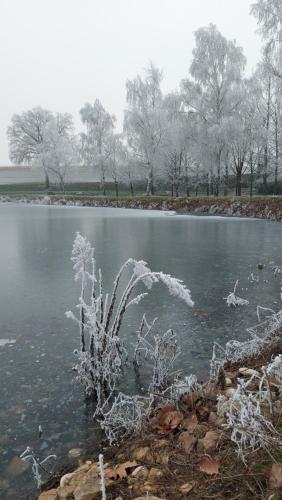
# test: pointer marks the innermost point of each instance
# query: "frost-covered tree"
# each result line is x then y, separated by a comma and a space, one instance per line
176, 137
214, 91
26, 136
269, 17
143, 124
59, 151
96, 142
29, 136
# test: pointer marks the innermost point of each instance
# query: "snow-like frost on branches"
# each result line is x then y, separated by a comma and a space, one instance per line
250, 428
262, 334
233, 300
274, 369
163, 352
37, 465
188, 385
102, 354
125, 416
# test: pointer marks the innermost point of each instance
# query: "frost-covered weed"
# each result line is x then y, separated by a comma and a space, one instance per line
102, 355
125, 416
37, 465
250, 428
102, 476
233, 300
274, 370
185, 386
162, 350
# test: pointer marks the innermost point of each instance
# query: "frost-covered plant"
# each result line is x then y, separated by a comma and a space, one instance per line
37, 465
163, 352
125, 416
263, 334
102, 354
188, 385
233, 300
217, 361
274, 369
102, 476
250, 428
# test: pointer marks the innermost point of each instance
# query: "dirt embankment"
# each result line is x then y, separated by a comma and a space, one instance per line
262, 208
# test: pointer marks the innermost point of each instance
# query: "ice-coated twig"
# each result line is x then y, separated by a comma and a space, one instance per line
29, 456
233, 300
250, 428
163, 351
102, 476
125, 416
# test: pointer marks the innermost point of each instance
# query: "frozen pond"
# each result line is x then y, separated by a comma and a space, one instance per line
37, 287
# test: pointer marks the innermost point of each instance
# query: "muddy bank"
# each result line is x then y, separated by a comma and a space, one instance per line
261, 208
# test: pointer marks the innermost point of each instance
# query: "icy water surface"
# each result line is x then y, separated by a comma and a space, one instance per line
36, 288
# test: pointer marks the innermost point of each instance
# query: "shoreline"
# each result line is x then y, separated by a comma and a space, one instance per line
267, 209
185, 448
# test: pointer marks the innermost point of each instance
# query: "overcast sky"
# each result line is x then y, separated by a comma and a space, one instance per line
62, 53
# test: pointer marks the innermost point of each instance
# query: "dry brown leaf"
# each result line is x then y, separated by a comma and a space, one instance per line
168, 419
203, 413
208, 443
186, 441
208, 465
275, 478
120, 472
190, 423
187, 401
186, 488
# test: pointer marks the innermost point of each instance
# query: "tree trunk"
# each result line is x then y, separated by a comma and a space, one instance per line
276, 157
226, 180
251, 175
47, 181
116, 187
218, 167
150, 183
62, 184
131, 188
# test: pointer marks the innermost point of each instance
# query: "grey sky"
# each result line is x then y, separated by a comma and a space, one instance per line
61, 53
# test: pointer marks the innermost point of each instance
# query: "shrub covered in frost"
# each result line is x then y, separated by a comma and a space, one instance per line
102, 354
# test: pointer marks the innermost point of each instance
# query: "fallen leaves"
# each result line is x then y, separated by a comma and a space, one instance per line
167, 419
203, 413
208, 443
275, 478
187, 441
208, 466
186, 488
120, 472
190, 423
188, 401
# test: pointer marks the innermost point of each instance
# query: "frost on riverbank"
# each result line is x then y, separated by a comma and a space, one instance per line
262, 208
179, 420
221, 438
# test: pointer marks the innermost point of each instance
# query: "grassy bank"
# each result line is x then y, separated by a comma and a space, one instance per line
263, 207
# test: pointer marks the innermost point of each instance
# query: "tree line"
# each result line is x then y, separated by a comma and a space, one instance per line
218, 126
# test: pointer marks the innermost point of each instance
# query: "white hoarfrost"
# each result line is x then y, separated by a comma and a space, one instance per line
251, 430
163, 352
125, 416
233, 300
102, 354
